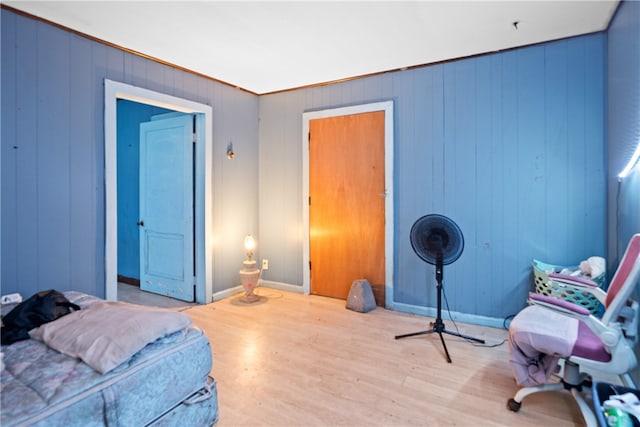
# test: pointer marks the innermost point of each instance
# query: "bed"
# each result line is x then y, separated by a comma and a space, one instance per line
166, 383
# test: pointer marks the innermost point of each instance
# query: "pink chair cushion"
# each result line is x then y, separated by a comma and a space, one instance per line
589, 346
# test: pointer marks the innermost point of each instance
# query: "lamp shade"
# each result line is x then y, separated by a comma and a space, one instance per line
249, 243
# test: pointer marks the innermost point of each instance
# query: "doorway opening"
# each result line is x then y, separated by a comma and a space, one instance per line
115, 91
387, 108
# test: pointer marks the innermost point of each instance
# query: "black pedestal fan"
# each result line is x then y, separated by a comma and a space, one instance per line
437, 240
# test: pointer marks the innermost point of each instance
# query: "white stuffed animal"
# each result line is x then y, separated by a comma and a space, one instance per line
593, 267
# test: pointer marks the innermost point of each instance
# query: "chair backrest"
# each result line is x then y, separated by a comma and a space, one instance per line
624, 281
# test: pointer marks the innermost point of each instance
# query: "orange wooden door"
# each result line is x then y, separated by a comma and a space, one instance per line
347, 207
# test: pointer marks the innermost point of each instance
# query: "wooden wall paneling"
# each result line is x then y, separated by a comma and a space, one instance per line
482, 280
115, 65
529, 157
436, 147
178, 83
9, 159
516, 121
503, 97
410, 186
59, 178
289, 177
191, 87
514, 271
155, 76
515, 138
595, 154
138, 70
220, 164
531, 214
499, 173
418, 159
273, 221
532, 211
103, 59
363, 90
53, 167
409, 158
623, 130
557, 156
448, 130
387, 86
26, 177
371, 89
419, 162
82, 181
577, 243
436, 143
237, 182
128, 70
459, 169
167, 82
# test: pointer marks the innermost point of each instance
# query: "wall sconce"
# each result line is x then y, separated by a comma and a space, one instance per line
230, 153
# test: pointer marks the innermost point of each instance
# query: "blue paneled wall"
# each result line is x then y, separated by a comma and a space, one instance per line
623, 126
510, 145
53, 186
623, 131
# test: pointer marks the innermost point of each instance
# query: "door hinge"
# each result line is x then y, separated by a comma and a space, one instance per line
309, 200
193, 137
309, 265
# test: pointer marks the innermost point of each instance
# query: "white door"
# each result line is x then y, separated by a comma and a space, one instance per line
166, 207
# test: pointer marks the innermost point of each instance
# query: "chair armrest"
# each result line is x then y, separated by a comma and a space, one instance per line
579, 284
609, 336
561, 306
575, 281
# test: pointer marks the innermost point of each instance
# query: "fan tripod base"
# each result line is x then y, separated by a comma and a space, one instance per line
438, 327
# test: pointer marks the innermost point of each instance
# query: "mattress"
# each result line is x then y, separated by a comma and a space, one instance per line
166, 383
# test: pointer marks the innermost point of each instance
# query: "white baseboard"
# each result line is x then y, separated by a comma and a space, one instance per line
473, 319
217, 296
282, 286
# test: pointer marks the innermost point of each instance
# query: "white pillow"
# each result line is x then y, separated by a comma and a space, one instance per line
108, 333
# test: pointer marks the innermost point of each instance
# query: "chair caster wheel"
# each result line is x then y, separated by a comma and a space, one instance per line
513, 405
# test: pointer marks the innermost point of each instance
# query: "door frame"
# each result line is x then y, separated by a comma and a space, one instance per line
203, 174
387, 107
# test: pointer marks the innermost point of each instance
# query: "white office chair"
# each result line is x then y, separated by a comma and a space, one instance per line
604, 345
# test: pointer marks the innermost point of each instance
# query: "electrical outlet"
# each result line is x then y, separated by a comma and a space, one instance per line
265, 264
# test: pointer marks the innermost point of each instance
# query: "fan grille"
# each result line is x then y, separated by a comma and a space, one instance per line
436, 236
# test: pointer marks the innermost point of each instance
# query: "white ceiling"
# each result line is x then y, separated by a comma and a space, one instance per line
266, 46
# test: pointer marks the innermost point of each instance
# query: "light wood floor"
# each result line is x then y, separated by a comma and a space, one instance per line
299, 360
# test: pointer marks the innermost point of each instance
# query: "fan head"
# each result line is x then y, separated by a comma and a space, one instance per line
435, 237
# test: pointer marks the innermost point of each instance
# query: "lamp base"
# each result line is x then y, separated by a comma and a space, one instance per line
249, 280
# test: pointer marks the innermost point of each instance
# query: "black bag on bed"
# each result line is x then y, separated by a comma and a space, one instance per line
43, 307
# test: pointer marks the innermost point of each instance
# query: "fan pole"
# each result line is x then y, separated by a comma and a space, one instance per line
438, 325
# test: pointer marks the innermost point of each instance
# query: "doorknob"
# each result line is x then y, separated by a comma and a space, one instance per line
383, 194
140, 223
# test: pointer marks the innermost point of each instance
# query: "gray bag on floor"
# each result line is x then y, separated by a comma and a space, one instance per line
361, 297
